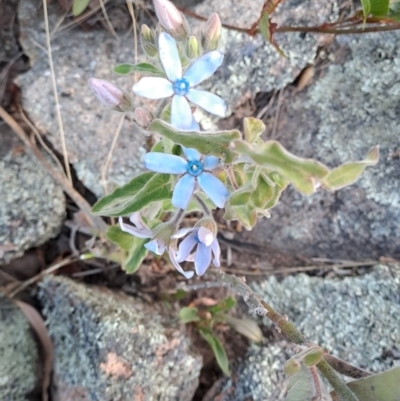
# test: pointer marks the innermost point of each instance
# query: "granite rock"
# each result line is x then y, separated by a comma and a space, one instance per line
109, 346
32, 206
352, 107
354, 318
19, 356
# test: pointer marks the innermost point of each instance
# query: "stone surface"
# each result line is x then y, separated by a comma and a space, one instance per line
32, 207
19, 356
89, 127
112, 347
354, 106
251, 64
355, 319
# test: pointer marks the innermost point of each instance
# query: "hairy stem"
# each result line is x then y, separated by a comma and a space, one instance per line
206, 210
343, 392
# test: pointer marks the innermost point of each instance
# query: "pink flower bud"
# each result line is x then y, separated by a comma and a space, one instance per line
171, 19
109, 94
212, 33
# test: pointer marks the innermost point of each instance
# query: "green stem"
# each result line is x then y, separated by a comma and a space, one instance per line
343, 392
346, 368
206, 210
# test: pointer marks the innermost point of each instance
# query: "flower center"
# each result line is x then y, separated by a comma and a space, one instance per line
181, 87
195, 167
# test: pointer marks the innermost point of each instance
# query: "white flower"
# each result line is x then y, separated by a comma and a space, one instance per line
181, 88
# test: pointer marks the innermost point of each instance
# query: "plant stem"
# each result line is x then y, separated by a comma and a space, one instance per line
344, 393
206, 210
346, 368
261, 307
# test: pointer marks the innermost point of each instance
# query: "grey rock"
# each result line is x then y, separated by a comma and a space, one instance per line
112, 347
353, 107
251, 64
19, 357
89, 127
355, 319
32, 206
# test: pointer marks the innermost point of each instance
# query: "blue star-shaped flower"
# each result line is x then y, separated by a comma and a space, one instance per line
195, 169
181, 88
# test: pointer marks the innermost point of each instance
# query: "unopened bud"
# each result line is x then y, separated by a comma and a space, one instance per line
291, 367
193, 50
110, 95
148, 34
150, 49
171, 19
142, 117
212, 33
313, 356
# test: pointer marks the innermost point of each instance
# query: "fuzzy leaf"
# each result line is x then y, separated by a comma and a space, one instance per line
218, 350
145, 68
380, 387
119, 237
302, 387
136, 255
377, 8
79, 6
188, 315
216, 144
267, 29
348, 173
134, 196
253, 128
304, 174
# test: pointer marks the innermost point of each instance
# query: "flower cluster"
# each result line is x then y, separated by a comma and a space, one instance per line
195, 171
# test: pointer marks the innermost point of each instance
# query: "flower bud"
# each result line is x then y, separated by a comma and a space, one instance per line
171, 19
313, 356
147, 34
291, 367
142, 117
211, 33
193, 50
110, 95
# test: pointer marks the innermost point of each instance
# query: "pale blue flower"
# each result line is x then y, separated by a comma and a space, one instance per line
141, 230
207, 250
195, 169
181, 87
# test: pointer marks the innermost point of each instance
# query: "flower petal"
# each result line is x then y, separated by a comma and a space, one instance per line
137, 232
156, 245
205, 236
214, 188
202, 259
181, 113
182, 232
217, 252
207, 101
177, 266
185, 247
136, 219
191, 154
203, 67
153, 88
183, 191
164, 163
169, 56
195, 125
211, 162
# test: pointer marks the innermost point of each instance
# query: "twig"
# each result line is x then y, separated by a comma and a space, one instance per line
132, 13
346, 368
109, 24
278, 110
104, 170
59, 178
54, 84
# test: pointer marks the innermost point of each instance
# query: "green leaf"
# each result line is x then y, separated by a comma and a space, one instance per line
136, 255
218, 350
119, 237
145, 68
348, 173
79, 6
253, 128
267, 30
380, 387
216, 144
134, 196
246, 327
304, 174
302, 386
223, 306
188, 315
376, 8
